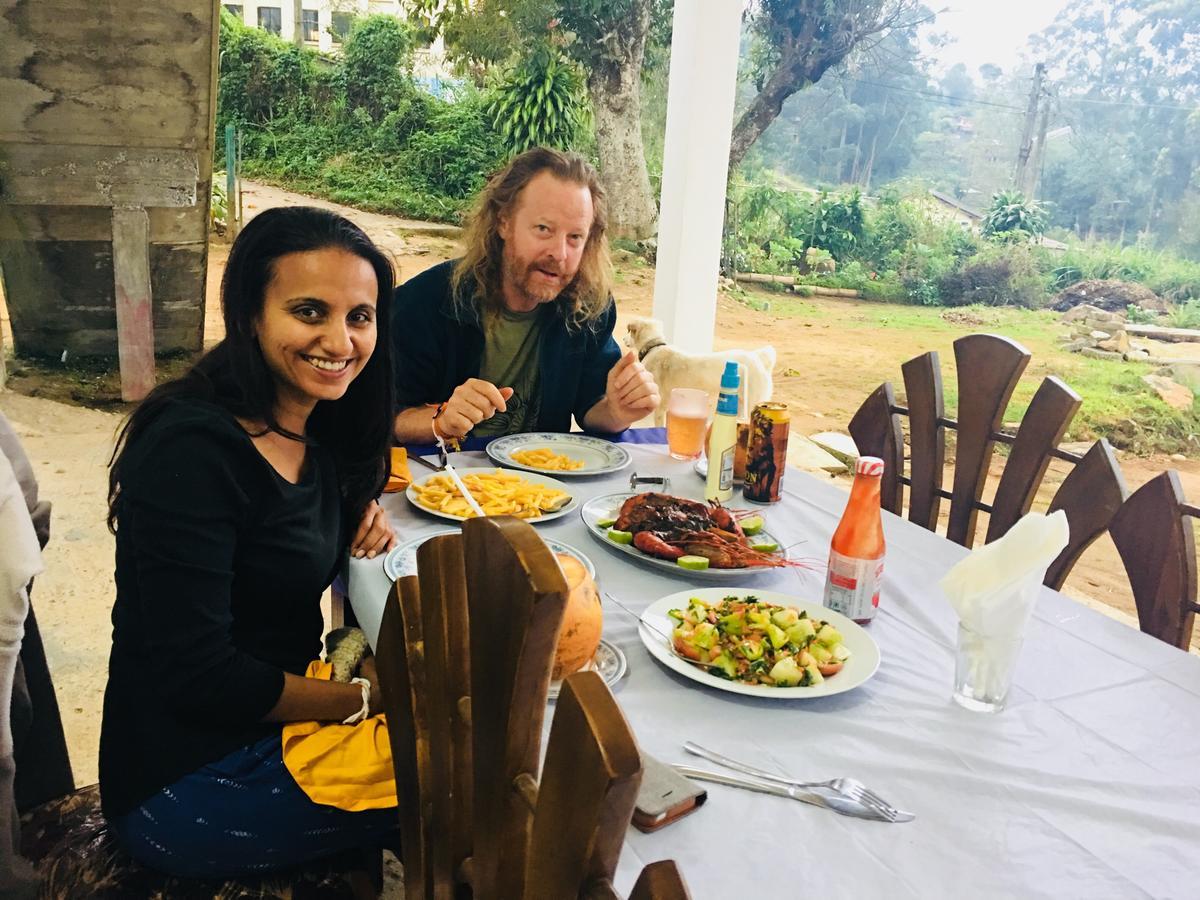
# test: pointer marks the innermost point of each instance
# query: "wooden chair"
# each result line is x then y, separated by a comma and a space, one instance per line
464, 658
989, 368
1158, 548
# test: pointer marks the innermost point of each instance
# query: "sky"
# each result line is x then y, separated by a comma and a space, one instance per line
992, 31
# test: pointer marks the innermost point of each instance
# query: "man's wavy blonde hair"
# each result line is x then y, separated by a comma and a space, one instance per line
478, 276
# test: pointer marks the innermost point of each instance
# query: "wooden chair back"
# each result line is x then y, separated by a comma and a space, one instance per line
989, 367
1158, 548
465, 652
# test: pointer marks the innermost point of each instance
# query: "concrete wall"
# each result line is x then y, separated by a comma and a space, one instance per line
103, 105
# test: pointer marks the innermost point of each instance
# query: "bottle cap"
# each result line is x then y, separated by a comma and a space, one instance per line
729, 378
868, 465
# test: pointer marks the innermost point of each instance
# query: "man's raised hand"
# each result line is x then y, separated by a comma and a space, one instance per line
472, 402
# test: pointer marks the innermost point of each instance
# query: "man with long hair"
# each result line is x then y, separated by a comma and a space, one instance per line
516, 335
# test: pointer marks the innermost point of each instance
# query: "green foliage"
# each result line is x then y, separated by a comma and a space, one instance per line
1135, 315
1185, 315
1011, 213
218, 207
376, 64
356, 130
1169, 276
541, 102
997, 276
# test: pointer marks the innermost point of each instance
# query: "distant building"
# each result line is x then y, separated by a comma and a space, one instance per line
324, 25
949, 208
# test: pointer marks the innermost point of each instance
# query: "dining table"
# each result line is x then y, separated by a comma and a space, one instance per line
1086, 785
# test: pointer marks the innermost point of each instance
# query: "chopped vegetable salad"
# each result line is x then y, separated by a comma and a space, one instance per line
746, 640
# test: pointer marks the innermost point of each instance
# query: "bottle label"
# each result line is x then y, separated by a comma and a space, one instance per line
727, 403
852, 586
725, 481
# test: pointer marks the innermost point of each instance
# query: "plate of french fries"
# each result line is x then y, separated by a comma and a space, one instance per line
561, 455
535, 498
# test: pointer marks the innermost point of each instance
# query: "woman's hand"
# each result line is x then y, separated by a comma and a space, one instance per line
374, 534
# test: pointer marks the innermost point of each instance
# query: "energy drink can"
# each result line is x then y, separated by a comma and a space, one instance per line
766, 457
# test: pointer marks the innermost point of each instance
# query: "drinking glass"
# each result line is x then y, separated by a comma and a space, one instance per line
983, 669
688, 410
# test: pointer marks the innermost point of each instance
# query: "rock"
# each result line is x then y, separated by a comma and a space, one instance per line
1172, 393
1108, 296
1183, 373
1178, 457
807, 455
838, 445
1099, 354
1079, 447
1118, 343
1099, 335
1136, 356
1076, 345
1082, 312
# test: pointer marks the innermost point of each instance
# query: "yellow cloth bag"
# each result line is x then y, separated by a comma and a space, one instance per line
347, 766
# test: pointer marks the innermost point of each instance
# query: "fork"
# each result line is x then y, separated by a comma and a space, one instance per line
850, 788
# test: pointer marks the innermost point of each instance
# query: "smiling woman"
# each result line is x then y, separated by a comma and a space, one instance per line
235, 493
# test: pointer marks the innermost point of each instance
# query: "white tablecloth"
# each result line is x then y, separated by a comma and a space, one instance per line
1087, 785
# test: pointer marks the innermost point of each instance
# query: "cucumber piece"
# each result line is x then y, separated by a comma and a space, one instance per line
605, 523
695, 563
766, 547
752, 525
620, 537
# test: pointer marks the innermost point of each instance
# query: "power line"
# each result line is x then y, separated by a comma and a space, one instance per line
956, 101
1132, 104
945, 98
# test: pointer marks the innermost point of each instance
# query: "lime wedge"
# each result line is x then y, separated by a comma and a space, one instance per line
695, 563
605, 523
620, 537
765, 547
752, 525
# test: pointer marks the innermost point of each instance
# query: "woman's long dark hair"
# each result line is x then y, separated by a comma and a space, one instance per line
357, 428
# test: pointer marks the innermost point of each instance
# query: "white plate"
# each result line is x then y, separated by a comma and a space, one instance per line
609, 662
463, 473
862, 664
599, 509
599, 457
401, 560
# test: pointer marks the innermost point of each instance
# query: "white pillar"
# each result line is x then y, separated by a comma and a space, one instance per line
700, 97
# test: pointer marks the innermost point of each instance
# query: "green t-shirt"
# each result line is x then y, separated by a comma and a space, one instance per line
510, 359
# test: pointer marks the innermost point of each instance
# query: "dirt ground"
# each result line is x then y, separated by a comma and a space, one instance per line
822, 373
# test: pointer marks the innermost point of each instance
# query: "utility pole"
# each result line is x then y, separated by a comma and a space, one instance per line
1035, 94
297, 30
1033, 172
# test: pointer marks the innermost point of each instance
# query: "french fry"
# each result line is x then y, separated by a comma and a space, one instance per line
545, 458
497, 493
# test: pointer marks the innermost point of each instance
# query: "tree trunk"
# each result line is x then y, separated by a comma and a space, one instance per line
858, 150
631, 209
615, 89
794, 72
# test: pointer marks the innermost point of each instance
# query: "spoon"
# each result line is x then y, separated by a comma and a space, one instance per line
654, 630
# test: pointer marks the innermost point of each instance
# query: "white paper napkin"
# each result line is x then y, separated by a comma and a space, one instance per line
994, 588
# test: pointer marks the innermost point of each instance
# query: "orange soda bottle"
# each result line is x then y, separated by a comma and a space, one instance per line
856, 552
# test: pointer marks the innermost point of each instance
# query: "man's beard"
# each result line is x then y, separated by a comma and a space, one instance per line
524, 281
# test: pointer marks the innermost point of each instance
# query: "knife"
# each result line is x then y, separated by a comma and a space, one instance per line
836, 803
423, 461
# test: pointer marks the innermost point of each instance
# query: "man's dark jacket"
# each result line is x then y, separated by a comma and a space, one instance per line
437, 348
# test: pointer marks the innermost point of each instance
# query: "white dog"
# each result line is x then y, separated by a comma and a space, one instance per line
674, 368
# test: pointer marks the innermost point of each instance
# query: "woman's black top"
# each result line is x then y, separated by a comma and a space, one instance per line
221, 564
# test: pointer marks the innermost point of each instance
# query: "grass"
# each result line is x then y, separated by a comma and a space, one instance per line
1117, 404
